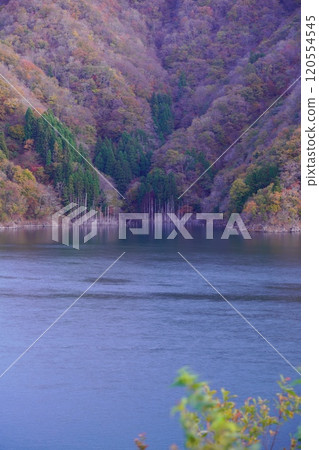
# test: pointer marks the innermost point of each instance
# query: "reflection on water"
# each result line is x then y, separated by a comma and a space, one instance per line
102, 375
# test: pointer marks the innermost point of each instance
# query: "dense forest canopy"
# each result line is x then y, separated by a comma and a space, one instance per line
152, 93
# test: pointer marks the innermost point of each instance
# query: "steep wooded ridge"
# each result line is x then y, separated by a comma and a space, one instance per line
152, 93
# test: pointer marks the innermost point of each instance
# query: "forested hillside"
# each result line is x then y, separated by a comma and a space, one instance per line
152, 93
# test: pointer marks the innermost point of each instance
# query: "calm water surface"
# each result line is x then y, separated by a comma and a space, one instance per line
103, 374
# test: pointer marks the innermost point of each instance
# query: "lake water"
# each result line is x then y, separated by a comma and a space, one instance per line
103, 373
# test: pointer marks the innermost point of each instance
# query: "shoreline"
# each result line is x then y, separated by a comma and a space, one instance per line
253, 228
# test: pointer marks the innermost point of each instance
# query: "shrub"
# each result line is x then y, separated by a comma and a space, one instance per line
239, 193
212, 422
16, 132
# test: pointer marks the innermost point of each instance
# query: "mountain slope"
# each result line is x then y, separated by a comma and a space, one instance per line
156, 92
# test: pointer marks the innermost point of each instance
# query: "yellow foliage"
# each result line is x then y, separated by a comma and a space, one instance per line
22, 176
16, 132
